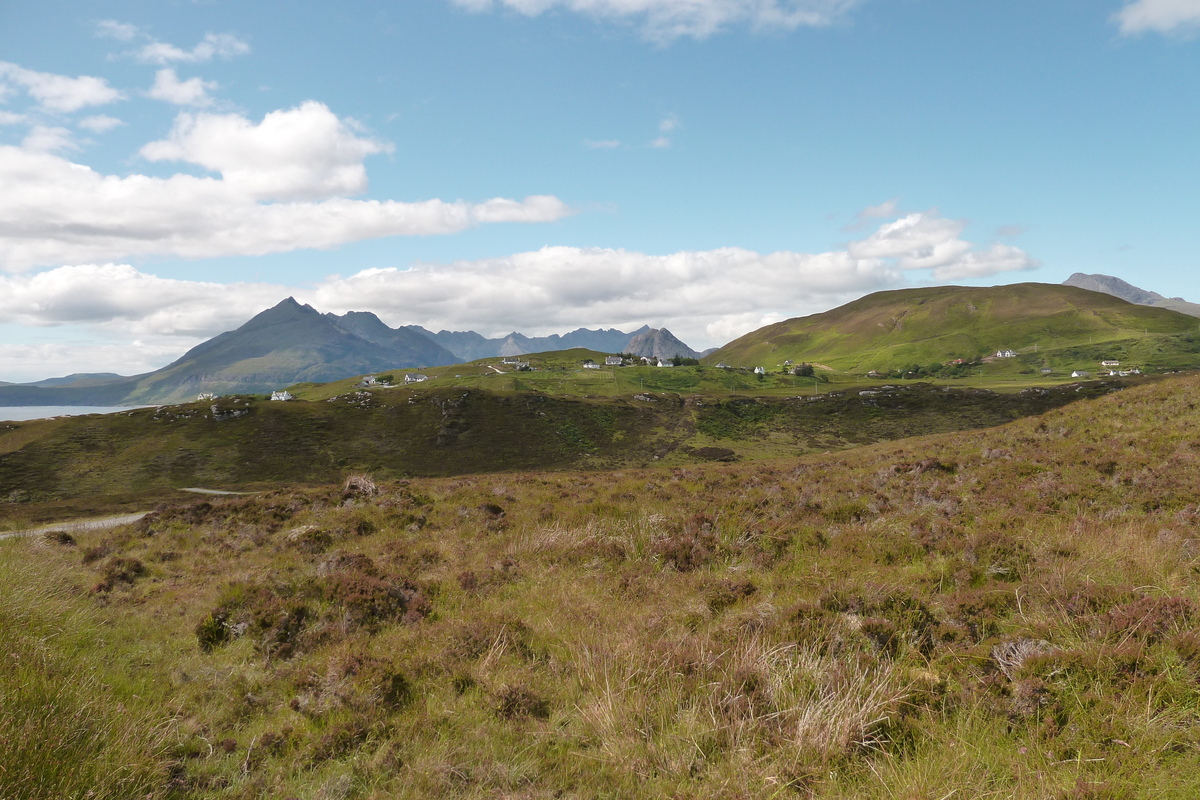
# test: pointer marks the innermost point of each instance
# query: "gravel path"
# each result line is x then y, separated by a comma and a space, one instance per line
78, 525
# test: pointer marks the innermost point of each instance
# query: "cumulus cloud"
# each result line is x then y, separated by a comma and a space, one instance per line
142, 304
304, 152
48, 139
58, 92
191, 92
665, 20
282, 187
1159, 16
705, 297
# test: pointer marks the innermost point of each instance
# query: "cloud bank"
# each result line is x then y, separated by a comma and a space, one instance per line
284, 184
665, 20
705, 297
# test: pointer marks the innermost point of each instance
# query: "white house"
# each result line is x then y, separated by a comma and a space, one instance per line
284, 395
590, 365
1006, 354
760, 371
612, 361
206, 396
368, 380
1081, 373
415, 377
510, 360
1110, 363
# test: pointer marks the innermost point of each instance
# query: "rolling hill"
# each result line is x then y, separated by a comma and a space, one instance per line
1058, 326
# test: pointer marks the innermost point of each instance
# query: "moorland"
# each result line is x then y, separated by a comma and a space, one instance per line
959, 580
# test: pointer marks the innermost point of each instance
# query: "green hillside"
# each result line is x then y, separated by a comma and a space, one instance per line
1060, 327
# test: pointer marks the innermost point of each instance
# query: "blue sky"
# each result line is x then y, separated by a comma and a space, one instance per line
170, 169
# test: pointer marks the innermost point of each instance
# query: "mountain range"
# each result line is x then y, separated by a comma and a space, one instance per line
294, 343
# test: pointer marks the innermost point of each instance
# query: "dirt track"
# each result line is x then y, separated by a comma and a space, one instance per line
78, 525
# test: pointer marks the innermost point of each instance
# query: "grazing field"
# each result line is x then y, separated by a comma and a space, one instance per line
1007, 612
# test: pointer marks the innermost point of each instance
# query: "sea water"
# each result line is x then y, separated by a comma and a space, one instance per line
18, 413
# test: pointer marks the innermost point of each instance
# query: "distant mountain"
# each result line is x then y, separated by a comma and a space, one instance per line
289, 343
80, 379
469, 345
1127, 291
892, 330
293, 343
658, 343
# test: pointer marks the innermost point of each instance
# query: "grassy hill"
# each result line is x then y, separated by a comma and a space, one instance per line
1060, 327
1012, 612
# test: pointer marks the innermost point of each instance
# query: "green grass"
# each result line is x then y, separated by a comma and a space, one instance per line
1056, 326
1013, 612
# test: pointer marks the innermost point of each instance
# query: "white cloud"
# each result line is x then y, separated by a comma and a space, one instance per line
191, 92
59, 92
1160, 16
47, 139
223, 45
706, 297
117, 294
665, 20
53, 211
121, 31
304, 152
100, 123
10, 118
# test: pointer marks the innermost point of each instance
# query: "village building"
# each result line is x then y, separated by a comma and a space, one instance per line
612, 361
283, 396
415, 377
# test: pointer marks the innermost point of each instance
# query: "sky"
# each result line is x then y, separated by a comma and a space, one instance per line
170, 169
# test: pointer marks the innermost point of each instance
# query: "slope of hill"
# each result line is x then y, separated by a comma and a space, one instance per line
1059, 326
1127, 291
453, 430
1008, 613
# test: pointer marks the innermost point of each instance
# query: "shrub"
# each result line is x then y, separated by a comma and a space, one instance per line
688, 548
119, 570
